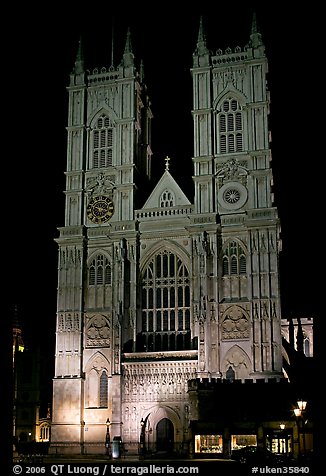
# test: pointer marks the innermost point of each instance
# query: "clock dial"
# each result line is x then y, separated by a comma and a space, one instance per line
100, 209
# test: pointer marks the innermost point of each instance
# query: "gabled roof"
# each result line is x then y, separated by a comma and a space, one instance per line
166, 184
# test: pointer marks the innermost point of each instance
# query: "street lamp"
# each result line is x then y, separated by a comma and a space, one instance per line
142, 437
299, 415
283, 445
302, 405
107, 437
149, 431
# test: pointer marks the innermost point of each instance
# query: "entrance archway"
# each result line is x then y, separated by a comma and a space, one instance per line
165, 435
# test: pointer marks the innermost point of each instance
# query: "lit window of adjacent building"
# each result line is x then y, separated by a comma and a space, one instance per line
165, 305
99, 272
241, 441
208, 443
230, 127
234, 260
45, 432
102, 142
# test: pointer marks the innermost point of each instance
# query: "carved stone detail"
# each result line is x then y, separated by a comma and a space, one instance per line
235, 324
69, 321
98, 331
100, 185
157, 379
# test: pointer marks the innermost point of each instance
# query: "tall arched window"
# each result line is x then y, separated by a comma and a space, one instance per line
99, 272
103, 389
230, 127
234, 260
45, 432
102, 142
97, 389
165, 304
306, 346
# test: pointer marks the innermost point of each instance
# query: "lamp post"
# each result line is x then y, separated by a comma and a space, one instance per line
149, 431
107, 437
283, 441
299, 415
142, 438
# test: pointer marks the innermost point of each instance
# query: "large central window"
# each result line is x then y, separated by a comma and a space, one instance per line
102, 142
230, 127
165, 305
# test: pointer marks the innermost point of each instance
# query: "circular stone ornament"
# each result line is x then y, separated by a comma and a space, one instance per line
232, 195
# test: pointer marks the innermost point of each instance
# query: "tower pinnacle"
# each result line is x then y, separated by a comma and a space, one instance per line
201, 47
255, 36
128, 57
79, 62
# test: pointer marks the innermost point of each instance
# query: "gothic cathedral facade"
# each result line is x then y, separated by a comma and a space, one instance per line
155, 291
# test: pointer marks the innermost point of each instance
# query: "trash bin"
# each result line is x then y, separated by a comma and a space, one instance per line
116, 447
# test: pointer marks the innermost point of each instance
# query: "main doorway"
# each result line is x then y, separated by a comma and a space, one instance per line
165, 436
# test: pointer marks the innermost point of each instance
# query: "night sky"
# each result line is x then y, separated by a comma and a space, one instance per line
42, 58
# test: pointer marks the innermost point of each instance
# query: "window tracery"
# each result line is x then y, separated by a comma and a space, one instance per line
102, 142
230, 127
165, 304
99, 271
234, 260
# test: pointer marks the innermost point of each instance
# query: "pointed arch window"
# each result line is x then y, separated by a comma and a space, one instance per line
165, 304
45, 432
306, 346
230, 127
230, 374
97, 389
103, 389
102, 142
99, 272
167, 199
234, 260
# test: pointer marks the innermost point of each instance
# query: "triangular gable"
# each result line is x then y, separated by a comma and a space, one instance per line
166, 184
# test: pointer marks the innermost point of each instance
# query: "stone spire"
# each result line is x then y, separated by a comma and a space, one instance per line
141, 72
201, 53
79, 62
17, 328
255, 36
201, 47
128, 57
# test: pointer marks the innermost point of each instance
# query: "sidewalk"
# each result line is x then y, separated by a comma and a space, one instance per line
153, 459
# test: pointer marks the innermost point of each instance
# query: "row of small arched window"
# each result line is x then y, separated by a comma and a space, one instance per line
229, 125
233, 263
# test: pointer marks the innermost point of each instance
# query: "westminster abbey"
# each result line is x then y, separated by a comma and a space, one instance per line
157, 293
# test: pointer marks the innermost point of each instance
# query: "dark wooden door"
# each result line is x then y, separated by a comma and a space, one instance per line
165, 435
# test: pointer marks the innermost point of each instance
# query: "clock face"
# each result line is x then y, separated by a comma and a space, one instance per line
100, 209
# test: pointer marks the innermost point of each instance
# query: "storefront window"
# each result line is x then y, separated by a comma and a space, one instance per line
208, 444
239, 441
279, 442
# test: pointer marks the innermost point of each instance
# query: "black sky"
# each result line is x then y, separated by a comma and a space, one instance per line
42, 57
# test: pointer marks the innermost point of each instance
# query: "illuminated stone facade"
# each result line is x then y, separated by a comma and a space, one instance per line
156, 291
